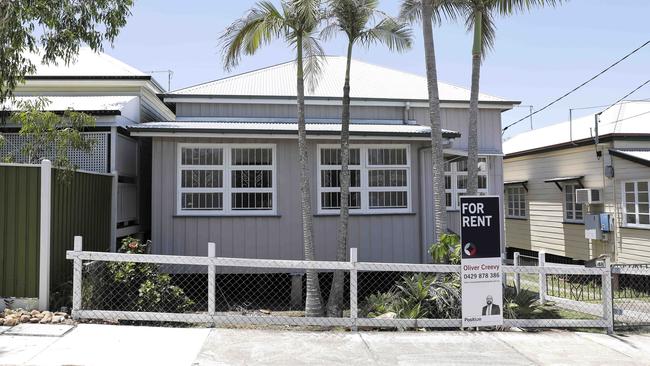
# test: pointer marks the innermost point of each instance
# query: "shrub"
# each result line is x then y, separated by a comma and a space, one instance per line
446, 250
525, 305
132, 286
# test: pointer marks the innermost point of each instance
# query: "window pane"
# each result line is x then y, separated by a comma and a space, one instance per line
643, 208
631, 219
331, 178
388, 200
643, 197
630, 197
461, 182
202, 201
387, 156
252, 201
332, 200
644, 219
630, 208
252, 179
201, 178
642, 186
448, 199
461, 165
482, 165
333, 156
252, 156
482, 182
447, 182
629, 187
387, 178
201, 156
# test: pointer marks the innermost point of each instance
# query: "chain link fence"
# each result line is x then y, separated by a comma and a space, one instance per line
238, 292
631, 295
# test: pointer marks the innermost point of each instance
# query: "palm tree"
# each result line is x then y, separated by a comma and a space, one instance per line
479, 18
296, 23
429, 11
363, 24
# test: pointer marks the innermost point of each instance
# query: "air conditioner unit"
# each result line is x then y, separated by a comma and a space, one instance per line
589, 195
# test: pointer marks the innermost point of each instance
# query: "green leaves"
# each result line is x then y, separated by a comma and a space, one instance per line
447, 250
54, 30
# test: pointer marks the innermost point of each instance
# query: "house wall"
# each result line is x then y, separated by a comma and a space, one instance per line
545, 229
632, 244
390, 237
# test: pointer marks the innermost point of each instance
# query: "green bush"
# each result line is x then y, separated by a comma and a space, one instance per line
525, 305
130, 286
418, 296
446, 250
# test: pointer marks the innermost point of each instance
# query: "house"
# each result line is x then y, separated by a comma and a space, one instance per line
226, 169
117, 95
543, 169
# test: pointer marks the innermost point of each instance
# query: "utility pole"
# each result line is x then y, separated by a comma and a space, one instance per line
169, 73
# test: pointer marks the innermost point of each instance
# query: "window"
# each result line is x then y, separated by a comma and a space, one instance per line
636, 206
226, 179
516, 201
456, 180
379, 179
572, 210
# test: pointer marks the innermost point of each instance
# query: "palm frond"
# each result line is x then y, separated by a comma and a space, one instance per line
314, 56
508, 7
246, 35
395, 35
450, 10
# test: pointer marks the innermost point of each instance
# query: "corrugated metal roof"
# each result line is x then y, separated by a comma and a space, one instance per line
78, 103
367, 81
628, 117
288, 127
87, 63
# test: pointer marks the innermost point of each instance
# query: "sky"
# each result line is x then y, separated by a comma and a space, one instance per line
538, 55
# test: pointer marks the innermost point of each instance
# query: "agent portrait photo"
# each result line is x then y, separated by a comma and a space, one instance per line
490, 308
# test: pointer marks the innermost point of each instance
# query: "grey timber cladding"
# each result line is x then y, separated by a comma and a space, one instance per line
391, 237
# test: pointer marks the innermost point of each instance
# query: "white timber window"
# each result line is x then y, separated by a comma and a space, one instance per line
223, 179
572, 210
516, 202
456, 180
379, 179
636, 205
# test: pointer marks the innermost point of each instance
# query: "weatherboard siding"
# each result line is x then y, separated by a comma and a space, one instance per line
545, 228
387, 238
632, 244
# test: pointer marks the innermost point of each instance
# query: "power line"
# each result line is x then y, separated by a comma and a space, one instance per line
578, 87
626, 95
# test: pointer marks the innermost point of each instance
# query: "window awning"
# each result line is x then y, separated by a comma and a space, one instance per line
640, 156
558, 180
523, 183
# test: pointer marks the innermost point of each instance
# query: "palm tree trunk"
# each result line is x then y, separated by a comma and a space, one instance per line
335, 301
472, 136
437, 155
313, 304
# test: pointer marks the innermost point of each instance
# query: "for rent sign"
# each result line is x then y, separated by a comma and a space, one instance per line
480, 238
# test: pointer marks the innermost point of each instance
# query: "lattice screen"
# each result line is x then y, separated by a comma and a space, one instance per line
95, 160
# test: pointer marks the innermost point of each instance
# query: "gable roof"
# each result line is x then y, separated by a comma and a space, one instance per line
368, 81
87, 63
627, 118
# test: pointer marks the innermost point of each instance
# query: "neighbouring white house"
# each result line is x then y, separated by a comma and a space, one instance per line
545, 170
117, 95
226, 171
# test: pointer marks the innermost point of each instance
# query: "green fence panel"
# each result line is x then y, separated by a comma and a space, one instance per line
19, 230
81, 206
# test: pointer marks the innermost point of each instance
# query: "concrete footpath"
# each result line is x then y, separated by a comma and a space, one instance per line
89, 344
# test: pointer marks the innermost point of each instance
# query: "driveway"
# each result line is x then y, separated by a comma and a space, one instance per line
89, 344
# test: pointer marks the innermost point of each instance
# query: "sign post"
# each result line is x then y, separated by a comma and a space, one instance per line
480, 238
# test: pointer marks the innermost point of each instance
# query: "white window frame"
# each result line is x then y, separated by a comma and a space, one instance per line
365, 189
636, 203
564, 207
520, 188
454, 173
227, 167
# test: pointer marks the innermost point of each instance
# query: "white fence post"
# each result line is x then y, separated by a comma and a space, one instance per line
212, 280
44, 246
608, 297
354, 312
541, 262
516, 262
77, 277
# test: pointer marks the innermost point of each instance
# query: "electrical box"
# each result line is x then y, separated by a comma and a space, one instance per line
596, 225
589, 195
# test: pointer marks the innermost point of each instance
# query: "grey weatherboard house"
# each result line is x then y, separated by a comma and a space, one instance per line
226, 169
